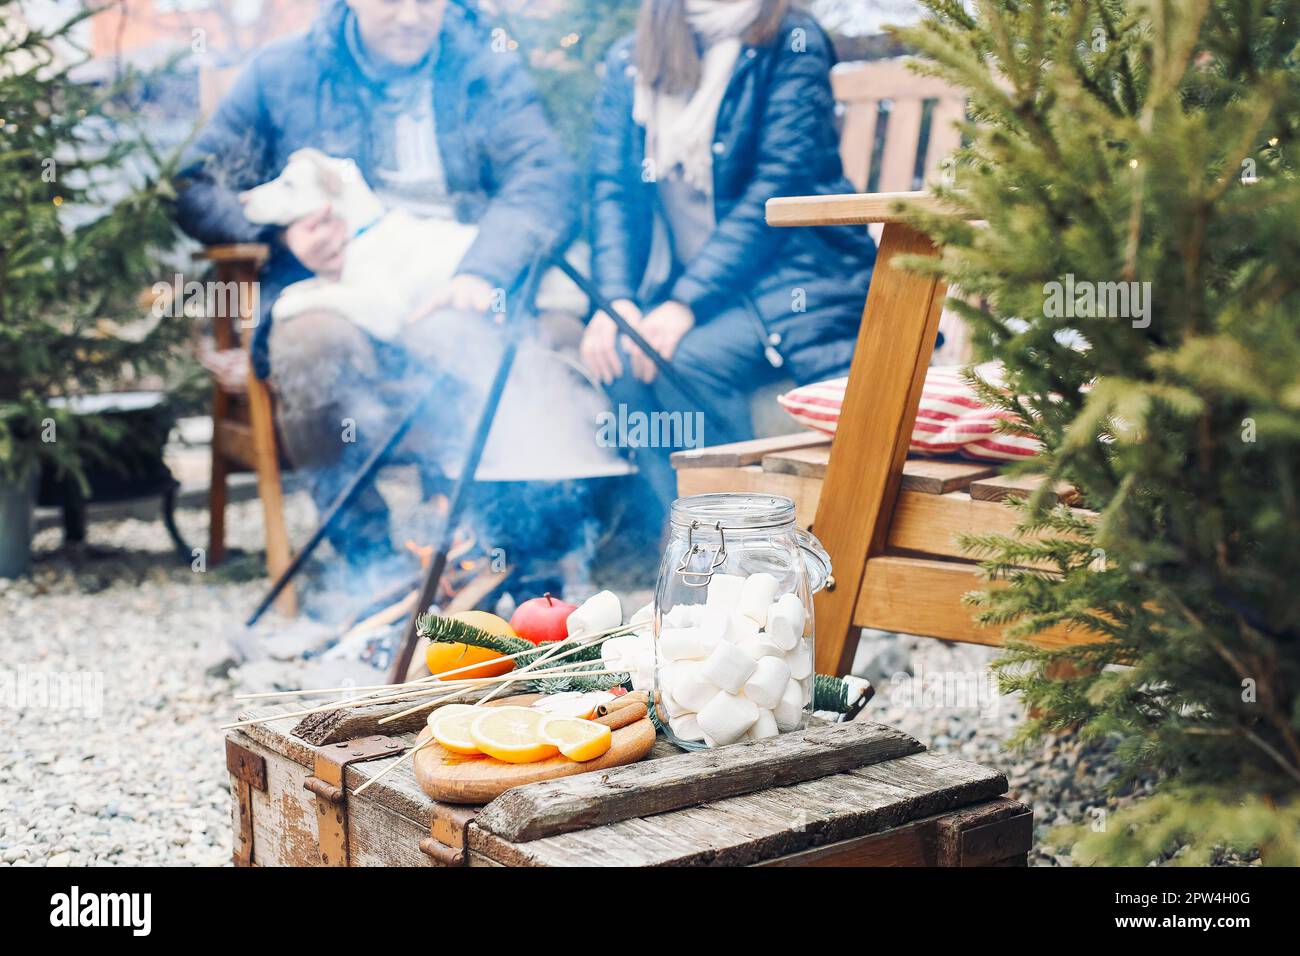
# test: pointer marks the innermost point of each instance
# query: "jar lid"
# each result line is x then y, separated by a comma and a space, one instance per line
733, 510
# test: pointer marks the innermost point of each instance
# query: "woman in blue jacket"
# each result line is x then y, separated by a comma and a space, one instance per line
711, 109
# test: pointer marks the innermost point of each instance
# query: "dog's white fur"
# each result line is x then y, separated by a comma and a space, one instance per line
394, 262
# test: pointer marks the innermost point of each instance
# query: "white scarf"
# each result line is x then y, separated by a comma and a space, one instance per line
680, 127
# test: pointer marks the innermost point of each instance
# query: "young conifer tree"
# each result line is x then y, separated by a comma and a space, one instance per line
1124, 236
83, 217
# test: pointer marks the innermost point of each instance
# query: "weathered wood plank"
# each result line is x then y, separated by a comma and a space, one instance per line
986, 835
1000, 487
741, 453
804, 462
932, 477
930, 841
755, 827
804, 492
558, 806
922, 596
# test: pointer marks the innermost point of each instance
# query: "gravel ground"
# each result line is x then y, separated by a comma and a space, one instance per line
139, 777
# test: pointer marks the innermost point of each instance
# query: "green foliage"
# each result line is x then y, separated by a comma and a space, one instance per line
1203, 821
80, 230
1149, 142
566, 42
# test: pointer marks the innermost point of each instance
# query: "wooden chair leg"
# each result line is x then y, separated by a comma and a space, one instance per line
217, 487
266, 452
899, 326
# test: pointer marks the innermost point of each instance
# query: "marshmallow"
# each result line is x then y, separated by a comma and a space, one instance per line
685, 644
682, 615
724, 591
758, 648
716, 623
671, 707
806, 686
758, 591
785, 620
643, 675
689, 685
726, 717
800, 661
615, 651
728, 667
765, 726
601, 612
789, 710
686, 727
644, 615
709, 741
742, 628
766, 685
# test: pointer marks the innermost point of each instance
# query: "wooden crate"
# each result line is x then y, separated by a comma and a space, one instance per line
836, 794
916, 583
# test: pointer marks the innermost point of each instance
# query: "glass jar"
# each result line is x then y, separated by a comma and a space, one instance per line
733, 620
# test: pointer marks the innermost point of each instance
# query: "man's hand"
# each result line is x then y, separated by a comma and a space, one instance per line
465, 293
318, 241
662, 329
228, 366
599, 348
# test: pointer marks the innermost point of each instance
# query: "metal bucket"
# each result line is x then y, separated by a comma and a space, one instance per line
17, 506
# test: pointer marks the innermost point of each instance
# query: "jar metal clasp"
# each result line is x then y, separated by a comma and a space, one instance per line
699, 579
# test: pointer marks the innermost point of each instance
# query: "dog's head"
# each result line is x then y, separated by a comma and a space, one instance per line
308, 181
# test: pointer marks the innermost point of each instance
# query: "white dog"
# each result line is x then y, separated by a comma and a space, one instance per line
394, 262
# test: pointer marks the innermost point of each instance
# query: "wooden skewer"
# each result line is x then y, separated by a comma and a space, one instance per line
392, 766
541, 660
464, 684
551, 654
585, 641
504, 681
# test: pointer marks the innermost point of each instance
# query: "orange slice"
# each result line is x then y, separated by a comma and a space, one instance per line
577, 739
452, 729
446, 710
512, 734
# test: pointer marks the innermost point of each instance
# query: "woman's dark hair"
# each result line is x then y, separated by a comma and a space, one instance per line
666, 55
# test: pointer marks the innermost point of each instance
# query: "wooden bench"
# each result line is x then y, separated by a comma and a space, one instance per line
888, 523
846, 794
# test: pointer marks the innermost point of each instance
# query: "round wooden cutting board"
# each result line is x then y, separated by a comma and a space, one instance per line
457, 778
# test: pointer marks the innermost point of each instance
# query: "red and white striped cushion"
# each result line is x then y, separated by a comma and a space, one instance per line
951, 419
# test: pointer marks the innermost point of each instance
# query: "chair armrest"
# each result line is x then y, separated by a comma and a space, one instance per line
238, 253
851, 209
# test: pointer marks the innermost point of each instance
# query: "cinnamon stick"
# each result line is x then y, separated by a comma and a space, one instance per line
624, 700
624, 716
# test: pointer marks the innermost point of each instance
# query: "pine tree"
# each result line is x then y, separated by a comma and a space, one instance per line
566, 42
1123, 141
80, 229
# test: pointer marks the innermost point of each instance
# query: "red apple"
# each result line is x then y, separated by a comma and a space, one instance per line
542, 619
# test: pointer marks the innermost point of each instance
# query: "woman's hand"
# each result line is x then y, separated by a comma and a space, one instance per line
318, 241
662, 329
599, 348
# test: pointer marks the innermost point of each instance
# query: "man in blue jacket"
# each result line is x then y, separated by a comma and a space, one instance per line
443, 121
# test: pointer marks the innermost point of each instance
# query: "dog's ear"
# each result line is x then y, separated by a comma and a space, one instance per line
308, 154
327, 175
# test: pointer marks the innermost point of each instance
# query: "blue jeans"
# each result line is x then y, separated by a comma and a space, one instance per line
722, 360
